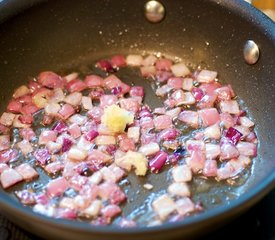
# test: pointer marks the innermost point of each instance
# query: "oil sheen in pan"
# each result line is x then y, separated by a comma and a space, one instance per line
208, 192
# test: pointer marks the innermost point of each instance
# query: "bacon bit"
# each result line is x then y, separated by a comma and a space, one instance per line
179, 189
87, 103
149, 149
53, 147
25, 119
54, 167
4, 130
57, 187
96, 113
148, 71
29, 109
212, 151
105, 140
10, 177
71, 76
210, 168
3, 167
27, 171
130, 104
77, 154
127, 223
163, 76
188, 84
225, 93
168, 134
126, 144
74, 130
213, 132
47, 120
227, 120
92, 81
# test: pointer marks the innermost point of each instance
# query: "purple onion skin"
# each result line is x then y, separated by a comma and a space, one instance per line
159, 160
67, 143
106, 66
59, 127
233, 135
116, 90
90, 136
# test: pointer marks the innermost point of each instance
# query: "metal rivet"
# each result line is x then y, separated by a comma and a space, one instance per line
154, 11
251, 52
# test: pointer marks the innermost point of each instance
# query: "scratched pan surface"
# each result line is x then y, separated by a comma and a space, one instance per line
66, 36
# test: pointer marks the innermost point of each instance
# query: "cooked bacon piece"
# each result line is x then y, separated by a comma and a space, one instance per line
162, 122
7, 119
96, 113
53, 147
188, 84
179, 189
74, 130
10, 177
4, 142
182, 173
77, 182
127, 223
168, 134
75, 85
29, 109
163, 90
173, 113
50, 80
86, 103
27, 171
147, 138
77, 154
57, 187
210, 168
162, 76
164, 206
4, 130
149, 149
180, 70
191, 118
126, 144
246, 122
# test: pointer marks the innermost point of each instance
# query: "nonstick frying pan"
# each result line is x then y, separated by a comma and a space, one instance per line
69, 35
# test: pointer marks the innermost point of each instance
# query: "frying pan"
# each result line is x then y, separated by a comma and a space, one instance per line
69, 35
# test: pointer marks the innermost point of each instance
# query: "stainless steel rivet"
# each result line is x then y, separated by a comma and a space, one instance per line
251, 52
154, 11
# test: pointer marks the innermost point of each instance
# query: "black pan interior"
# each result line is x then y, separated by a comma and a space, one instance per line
66, 36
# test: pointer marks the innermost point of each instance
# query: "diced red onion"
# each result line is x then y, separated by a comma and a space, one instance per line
158, 161
233, 135
66, 145
91, 135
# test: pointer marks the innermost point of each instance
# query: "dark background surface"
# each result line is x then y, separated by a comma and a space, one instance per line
257, 223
